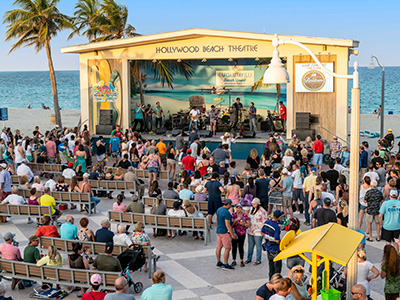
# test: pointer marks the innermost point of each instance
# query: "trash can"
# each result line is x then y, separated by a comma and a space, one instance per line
330, 294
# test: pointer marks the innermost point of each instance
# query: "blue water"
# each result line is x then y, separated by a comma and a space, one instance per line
18, 89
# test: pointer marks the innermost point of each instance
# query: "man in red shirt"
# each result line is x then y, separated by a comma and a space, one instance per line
318, 148
189, 162
282, 114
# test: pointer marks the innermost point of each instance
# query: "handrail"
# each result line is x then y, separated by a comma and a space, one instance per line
321, 127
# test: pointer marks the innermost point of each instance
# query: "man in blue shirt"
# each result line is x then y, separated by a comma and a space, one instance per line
262, 190
214, 189
389, 217
138, 117
104, 234
252, 117
115, 148
224, 234
272, 234
159, 290
68, 230
185, 193
5, 182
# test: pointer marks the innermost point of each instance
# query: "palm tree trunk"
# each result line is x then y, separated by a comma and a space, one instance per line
53, 85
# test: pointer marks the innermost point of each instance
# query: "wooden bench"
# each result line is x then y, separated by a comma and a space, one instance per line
109, 185
36, 211
15, 179
65, 246
163, 222
56, 275
201, 205
193, 189
143, 174
51, 168
63, 197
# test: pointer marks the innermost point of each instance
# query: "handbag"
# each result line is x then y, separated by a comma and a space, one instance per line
275, 197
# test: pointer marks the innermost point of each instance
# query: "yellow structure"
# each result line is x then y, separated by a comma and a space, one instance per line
333, 242
99, 60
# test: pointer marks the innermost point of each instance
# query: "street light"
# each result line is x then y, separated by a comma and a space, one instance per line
372, 66
276, 73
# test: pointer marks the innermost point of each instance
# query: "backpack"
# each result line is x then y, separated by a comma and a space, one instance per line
386, 156
6, 154
303, 173
246, 201
132, 258
82, 235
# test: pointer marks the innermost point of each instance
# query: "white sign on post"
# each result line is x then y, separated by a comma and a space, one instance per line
310, 78
234, 78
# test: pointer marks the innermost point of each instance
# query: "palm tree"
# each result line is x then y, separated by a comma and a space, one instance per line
88, 18
35, 23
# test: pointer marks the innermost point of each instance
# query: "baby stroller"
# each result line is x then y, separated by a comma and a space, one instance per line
132, 259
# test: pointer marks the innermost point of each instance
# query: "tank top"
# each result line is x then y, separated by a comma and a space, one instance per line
319, 204
153, 163
18, 156
193, 215
100, 149
362, 196
233, 195
170, 155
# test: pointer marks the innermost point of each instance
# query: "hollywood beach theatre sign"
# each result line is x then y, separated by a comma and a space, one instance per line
310, 78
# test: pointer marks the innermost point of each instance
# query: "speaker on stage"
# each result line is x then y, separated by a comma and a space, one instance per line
175, 132
161, 130
205, 133
249, 134
302, 134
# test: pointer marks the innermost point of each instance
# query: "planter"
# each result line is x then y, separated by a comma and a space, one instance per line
52, 119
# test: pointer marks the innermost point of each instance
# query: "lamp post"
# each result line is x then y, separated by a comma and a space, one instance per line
276, 73
372, 66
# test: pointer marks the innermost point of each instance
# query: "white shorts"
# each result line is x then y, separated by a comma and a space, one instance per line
101, 157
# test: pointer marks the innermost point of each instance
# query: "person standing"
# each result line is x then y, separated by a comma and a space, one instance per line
318, 148
297, 187
214, 189
51, 150
262, 189
253, 117
162, 151
363, 161
272, 234
308, 183
333, 176
138, 117
390, 138
241, 222
159, 290
282, 114
213, 114
5, 182
19, 154
373, 199
225, 234
101, 152
179, 142
389, 217
149, 118
336, 147
391, 272
324, 215
115, 148
158, 111
287, 185
239, 108
194, 118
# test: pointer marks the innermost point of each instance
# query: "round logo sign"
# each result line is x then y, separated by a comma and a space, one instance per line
313, 80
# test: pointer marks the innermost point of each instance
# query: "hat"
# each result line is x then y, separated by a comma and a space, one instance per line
3, 165
189, 151
285, 171
389, 130
33, 238
109, 247
278, 213
199, 189
226, 134
95, 279
8, 236
86, 175
256, 201
227, 201
70, 164
19, 141
24, 161
327, 201
313, 169
393, 193
177, 204
239, 205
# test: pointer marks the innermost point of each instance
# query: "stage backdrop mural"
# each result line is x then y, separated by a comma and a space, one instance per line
219, 81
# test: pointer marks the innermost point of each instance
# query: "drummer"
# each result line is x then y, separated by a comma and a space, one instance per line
213, 119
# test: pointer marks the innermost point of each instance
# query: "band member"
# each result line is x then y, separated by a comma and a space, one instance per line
194, 118
138, 117
213, 119
233, 118
282, 114
239, 108
149, 118
252, 117
158, 111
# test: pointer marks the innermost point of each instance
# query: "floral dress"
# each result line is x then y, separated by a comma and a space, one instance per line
140, 238
240, 229
257, 221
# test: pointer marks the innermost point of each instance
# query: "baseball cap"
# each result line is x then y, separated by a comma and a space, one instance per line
327, 201
95, 279
70, 164
389, 130
285, 171
393, 193
86, 175
3, 165
239, 205
19, 141
109, 247
313, 169
188, 151
227, 201
8, 236
177, 204
33, 238
278, 213
24, 161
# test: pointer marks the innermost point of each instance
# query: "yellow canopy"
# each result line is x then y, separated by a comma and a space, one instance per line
332, 241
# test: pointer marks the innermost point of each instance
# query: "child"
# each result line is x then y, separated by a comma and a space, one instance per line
86, 252
176, 212
247, 171
222, 168
33, 200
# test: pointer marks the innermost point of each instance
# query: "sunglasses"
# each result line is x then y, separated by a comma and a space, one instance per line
298, 271
354, 293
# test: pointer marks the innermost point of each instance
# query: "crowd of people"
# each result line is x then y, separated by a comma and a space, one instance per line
276, 187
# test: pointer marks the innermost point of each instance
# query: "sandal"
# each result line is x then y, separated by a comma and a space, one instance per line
257, 263
378, 240
196, 237
370, 240
247, 261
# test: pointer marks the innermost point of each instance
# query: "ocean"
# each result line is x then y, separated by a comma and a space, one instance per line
19, 89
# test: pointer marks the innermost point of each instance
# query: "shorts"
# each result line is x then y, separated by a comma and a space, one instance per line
56, 213
286, 201
372, 218
51, 160
390, 235
317, 158
163, 158
101, 157
171, 161
224, 240
9, 161
361, 207
298, 194
115, 154
152, 170
213, 205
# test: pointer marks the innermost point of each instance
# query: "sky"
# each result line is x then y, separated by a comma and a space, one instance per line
374, 23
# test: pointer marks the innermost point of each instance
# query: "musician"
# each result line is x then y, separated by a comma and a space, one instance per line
282, 114
149, 118
252, 117
158, 111
138, 117
194, 117
213, 119
232, 117
239, 108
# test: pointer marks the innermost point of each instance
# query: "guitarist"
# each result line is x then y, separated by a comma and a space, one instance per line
239, 108
194, 117
158, 111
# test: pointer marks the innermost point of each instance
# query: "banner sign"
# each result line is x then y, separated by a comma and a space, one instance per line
310, 78
104, 93
234, 78
4, 114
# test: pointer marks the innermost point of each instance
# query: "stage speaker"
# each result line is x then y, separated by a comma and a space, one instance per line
205, 133
105, 117
175, 132
104, 129
304, 133
303, 125
161, 130
249, 134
